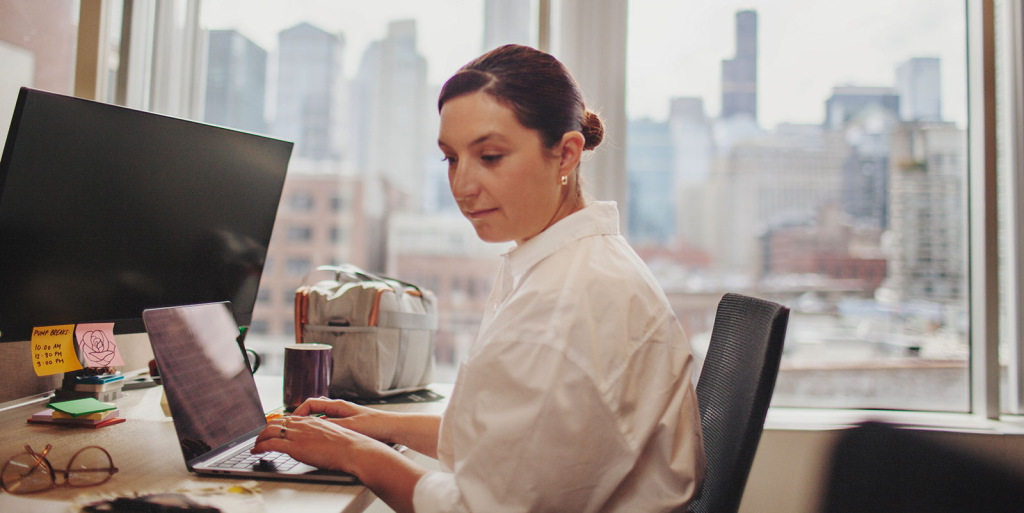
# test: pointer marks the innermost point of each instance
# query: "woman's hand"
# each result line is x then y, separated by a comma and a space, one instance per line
361, 419
319, 442
416, 431
324, 444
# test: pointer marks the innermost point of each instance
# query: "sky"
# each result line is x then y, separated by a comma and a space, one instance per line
805, 47
449, 32
675, 47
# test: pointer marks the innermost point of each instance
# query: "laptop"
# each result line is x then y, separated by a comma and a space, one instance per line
213, 398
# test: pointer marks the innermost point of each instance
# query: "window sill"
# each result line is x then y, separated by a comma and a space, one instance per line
818, 419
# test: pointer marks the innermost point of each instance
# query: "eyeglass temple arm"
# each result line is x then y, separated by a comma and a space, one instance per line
40, 457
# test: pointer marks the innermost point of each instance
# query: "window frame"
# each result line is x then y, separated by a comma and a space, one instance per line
1011, 165
982, 217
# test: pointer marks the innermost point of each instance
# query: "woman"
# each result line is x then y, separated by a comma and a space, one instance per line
577, 395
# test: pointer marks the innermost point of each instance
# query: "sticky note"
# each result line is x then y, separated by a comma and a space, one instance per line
79, 407
53, 350
96, 345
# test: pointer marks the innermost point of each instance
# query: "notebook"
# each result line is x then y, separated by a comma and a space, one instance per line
213, 398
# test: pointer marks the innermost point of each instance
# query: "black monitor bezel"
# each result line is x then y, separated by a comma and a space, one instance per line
13, 330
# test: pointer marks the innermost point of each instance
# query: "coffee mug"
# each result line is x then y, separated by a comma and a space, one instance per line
307, 372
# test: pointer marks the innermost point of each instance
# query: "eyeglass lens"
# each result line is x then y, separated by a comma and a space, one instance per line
90, 466
26, 473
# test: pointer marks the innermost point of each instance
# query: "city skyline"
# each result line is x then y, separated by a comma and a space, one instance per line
805, 49
850, 218
844, 43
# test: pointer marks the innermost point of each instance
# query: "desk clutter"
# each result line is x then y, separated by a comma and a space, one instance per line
86, 412
86, 354
101, 384
240, 497
71, 347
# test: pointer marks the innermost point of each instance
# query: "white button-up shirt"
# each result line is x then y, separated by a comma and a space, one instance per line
577, 395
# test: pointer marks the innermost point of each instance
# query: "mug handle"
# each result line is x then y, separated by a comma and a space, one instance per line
253, 360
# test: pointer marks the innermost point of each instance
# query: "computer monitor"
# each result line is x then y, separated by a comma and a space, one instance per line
106, 211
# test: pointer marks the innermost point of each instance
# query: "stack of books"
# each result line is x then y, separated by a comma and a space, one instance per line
103, 387
88, 412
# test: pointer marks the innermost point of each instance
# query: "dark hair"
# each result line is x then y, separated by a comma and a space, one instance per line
536, 86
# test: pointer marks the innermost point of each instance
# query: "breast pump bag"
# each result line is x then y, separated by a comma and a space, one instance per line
381, 330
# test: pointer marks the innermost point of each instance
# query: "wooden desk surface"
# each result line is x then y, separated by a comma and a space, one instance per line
145, 450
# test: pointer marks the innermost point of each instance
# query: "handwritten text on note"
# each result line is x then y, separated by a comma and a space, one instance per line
53, 350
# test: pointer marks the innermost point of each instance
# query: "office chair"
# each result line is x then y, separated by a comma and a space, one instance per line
734, 389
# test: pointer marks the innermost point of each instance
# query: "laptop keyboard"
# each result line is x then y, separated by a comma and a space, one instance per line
266, 461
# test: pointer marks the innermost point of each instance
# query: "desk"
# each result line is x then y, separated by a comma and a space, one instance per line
145, 449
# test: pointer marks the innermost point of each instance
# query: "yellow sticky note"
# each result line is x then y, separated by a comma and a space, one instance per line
53, 350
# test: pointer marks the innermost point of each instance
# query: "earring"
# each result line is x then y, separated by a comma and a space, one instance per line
565, 179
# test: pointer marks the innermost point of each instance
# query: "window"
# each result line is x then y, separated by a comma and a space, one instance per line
300, 234
775, 151
339, 204
38, 41
300, 201
338, 235
814, 153
298, 266
1004, 334
353, 84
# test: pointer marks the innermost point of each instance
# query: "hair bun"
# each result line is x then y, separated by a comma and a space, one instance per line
593, 130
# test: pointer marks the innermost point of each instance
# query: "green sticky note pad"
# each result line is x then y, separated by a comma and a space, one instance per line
79, 407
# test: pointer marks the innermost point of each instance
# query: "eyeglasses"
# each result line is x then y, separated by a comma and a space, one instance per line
31, 472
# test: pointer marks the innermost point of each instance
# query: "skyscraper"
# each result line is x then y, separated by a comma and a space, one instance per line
692, 152
919, 85
390, 106
927, 230
692, 139
779, 179
848, 101
236, 82
865, 186
651, 204
310, 91
739, 74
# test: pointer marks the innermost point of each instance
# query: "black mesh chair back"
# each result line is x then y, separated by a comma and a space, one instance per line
734, 388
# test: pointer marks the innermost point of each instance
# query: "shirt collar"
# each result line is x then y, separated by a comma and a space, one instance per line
597, 218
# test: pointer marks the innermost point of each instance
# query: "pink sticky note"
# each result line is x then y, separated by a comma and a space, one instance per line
96, 345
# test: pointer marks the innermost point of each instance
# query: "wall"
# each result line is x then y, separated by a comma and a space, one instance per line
18, 379
791, 464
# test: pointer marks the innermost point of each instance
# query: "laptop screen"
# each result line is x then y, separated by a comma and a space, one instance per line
210, 391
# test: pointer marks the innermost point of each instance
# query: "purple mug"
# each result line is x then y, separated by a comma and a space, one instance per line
307, 372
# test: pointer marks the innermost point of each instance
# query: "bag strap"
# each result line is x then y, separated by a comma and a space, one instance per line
358, 272
385, 319
407, 320
398, 320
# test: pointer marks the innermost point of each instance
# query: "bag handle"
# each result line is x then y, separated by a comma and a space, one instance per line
353, 270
